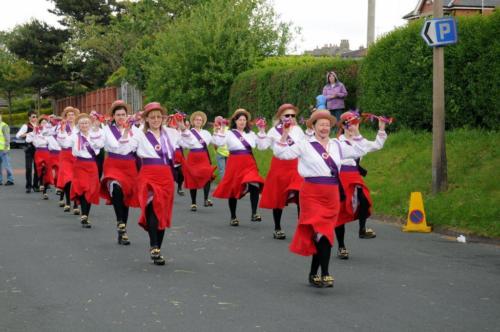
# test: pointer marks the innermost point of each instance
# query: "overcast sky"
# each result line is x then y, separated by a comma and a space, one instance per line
322, 21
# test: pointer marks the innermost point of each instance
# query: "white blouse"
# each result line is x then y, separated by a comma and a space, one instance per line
368, 146
233, 143
273, 136
146, 150
311, 163
63, 138
205, 135
122, 146
39, 140
94, 138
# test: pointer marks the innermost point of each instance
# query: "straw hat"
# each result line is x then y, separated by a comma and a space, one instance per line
321, 114
153, 106
240, 111
70, 109
198, 113
43, 117
118, 104
285, 107
83, 116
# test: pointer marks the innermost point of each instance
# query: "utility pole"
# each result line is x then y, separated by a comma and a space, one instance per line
439, 163
370, 34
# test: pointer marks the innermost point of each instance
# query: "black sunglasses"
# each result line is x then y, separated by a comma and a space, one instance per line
289, 115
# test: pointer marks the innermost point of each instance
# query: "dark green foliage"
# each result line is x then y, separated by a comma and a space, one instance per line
296, 80
396, 76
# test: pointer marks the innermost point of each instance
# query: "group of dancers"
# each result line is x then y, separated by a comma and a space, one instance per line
144, 158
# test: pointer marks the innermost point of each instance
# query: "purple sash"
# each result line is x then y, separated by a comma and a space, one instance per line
68, 128
161, 148
86, 144
279, 129
242, 140
116, 133
201, 141
326, 157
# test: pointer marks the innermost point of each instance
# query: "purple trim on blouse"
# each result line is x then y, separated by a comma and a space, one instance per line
349, 168
153, 161
87, 146
128, 156
85, 159
242, 140
240, 152
115, 131
279, 129
42, 149
326, 158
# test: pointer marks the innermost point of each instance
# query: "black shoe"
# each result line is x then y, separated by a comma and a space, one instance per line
180, 192
256, 217
157, 257
194, 207
342, 253
234, 222
28, 190
122, 234
84, 220
279, 235
67, 208
9, 183
367, 234
208, 203
45, 196
315, 281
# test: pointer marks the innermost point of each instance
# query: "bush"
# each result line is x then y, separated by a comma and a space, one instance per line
396, 76
296, 80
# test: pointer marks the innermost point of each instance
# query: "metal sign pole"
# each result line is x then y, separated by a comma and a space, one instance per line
439, 163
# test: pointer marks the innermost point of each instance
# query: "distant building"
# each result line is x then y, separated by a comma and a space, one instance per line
454, 8
330, 50
3, 103
356, 54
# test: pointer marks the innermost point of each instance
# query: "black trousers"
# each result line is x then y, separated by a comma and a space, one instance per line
31, 175
155, 235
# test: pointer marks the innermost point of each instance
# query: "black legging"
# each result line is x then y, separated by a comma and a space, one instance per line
278, 212
339, 234
254, 201
206, 191
322, 257
117, 199
179, 177
67, 189
31, 177
155, 235
85, 206
363, 208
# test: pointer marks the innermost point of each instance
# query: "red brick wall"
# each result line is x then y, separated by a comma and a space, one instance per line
99, 100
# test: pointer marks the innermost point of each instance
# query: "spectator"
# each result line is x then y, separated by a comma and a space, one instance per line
29, 153
334, 92
4, 153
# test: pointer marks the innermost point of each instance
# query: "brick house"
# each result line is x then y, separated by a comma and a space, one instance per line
454, 8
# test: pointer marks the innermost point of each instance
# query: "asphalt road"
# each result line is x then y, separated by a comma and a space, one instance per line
56, 276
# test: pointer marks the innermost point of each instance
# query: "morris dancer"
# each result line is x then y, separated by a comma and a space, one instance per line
241, 175
156, 146
357, 201
198, 170
54, 151
118, 186
66, 158
319, 164
283, 182
86, 144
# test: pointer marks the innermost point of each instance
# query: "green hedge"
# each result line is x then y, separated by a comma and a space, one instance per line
296, 80
19, 118
396, 76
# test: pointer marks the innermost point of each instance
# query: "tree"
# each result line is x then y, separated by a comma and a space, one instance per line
81, 9
14, 76
41, 46
196, 59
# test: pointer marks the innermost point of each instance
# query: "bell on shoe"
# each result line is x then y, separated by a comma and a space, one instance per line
61, 203
327, 281
157, 257
194, 207
42, 188
367, 233
67, 208
234, 222
256, 217
315, 281
342, 253
279, 234
180, 192
121, 228
208, 203
84, 220
45, 196
76, 211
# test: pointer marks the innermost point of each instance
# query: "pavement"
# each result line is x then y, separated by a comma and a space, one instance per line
56, 276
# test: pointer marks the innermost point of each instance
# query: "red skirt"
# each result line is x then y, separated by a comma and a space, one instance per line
42, 164
198, 170
319, 209
123, 171
240, 171
179, 157
85, 181
54, 164
66, 161
158, 180
348, 208
282, 185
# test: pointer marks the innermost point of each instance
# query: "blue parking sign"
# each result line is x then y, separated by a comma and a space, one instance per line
440, 31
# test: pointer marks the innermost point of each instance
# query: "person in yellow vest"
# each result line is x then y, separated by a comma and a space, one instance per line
4, 153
